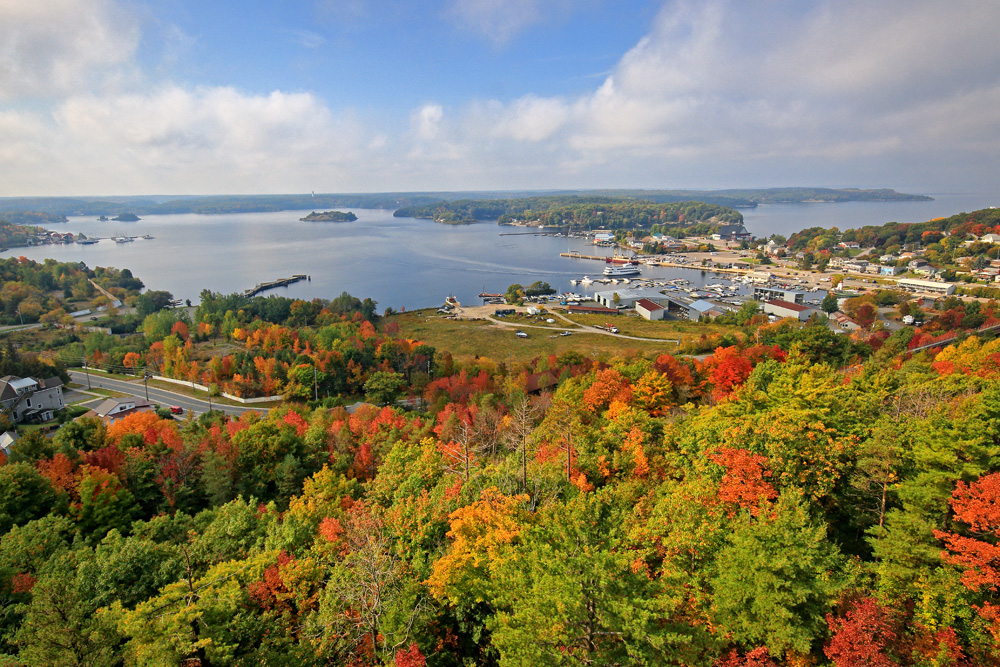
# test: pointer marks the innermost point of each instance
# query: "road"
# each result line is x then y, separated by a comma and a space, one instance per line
157, 395
575, 327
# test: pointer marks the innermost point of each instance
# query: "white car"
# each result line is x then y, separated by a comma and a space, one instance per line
521, 334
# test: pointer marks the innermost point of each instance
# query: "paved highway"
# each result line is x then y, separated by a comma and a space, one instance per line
156, 395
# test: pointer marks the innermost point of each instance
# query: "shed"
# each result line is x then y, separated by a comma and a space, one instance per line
650, 309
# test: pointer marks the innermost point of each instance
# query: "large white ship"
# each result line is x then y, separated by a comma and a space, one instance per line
622, 271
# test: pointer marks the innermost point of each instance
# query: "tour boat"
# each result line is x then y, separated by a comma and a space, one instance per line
622, 271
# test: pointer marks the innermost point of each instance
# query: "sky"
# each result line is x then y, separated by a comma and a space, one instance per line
129, 97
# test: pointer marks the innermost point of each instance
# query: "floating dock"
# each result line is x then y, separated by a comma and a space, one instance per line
280, 282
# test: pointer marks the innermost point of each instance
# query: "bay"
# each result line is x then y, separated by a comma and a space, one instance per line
786, 219
400, 262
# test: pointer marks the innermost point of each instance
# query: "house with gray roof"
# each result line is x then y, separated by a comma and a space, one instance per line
30, 399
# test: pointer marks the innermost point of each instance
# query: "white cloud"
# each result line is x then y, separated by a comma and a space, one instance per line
51, 47
500, 20
718, 93
743, 84
426, 122
179, 140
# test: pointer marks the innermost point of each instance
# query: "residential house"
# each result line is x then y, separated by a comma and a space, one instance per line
990, 238
30, 399
113, 409
891, 270
7, 441
841, 320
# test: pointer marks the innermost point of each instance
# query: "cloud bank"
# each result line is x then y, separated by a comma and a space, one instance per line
716, 94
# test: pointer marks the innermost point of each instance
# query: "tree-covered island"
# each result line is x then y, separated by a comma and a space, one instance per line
330, 216
575, 212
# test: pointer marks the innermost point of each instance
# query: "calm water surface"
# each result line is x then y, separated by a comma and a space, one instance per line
400, 262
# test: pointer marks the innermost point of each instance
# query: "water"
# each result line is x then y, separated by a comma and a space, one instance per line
786, 219
400, 262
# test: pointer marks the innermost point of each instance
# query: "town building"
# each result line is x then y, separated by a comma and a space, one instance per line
783, 309
914, 285
650, 309
735, 232
769, 293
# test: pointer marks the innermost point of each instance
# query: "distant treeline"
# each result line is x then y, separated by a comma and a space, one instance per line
31, 217
59, 207
893, 234
798, 195
574, 211
63, 206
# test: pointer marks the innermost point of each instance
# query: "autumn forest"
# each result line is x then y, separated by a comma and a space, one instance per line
793, 497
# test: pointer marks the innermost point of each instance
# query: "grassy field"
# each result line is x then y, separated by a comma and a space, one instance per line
633, 325
466, 339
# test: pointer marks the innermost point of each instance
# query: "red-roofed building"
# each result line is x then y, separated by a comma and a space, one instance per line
650, 309
780, 308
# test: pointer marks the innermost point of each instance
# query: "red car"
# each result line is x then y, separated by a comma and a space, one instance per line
176, 409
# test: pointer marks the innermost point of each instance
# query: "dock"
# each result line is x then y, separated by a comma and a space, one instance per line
280, 282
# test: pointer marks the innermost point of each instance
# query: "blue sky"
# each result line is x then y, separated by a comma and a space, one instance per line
185, 96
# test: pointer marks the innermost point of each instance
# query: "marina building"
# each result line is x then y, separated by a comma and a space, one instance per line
783, 309
764, 293
650, 309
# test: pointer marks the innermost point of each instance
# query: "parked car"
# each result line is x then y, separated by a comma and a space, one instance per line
521, 334
176, 409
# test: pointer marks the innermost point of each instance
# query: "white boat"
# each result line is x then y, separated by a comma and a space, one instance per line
620, 271
586, 280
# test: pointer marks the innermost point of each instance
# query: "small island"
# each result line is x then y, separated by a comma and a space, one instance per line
330, 216
127, 217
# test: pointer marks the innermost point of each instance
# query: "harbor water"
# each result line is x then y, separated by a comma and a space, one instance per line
398, 262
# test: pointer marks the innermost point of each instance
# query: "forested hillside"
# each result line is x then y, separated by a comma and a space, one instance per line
797, 498
575, 212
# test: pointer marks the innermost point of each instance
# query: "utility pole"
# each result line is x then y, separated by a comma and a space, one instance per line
86, 370
145, 382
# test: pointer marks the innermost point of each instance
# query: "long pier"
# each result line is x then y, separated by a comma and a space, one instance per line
280, 282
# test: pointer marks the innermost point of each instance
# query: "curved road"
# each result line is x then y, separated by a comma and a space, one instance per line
158, 395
